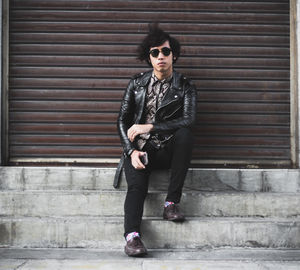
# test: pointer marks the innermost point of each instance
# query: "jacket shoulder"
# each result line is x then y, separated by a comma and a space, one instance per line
185, 81
138, 75
135, 78
141, 75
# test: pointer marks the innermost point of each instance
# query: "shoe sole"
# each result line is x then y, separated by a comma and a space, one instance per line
174, 219
137, 255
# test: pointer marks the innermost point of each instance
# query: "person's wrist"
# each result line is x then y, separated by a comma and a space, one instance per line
129, 153
134, 151
150, 127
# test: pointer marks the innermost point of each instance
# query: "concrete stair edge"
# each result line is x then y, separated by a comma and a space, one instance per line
146, 264
215, 254
252, 180
109, 203
93, 232
215, 259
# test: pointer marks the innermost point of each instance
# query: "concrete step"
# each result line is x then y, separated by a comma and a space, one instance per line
210, 259
67, 207
110, 203
95, 232
78, 178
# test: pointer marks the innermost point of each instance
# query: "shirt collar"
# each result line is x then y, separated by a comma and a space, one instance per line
166, 80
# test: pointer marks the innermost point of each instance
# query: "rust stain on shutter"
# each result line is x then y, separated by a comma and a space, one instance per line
70, 62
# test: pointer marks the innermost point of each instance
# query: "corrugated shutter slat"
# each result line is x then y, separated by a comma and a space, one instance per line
70, 62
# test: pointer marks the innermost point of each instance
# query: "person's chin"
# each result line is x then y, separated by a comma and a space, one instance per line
161, 69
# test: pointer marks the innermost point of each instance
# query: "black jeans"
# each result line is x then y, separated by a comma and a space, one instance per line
175, 155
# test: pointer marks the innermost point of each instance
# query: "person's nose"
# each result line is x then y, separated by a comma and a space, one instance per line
161, 55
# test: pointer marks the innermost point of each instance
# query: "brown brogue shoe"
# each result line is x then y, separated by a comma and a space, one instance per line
135, 247
172, 213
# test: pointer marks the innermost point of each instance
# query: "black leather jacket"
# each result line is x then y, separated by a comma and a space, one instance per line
177, 109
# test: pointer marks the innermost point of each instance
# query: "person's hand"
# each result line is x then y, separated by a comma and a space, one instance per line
135, 160
136, 130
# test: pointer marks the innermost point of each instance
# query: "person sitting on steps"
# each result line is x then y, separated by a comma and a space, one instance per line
154, 123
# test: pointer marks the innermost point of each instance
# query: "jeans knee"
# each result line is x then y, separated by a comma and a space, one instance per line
137, 188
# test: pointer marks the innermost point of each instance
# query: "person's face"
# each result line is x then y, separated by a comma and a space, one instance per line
162, 63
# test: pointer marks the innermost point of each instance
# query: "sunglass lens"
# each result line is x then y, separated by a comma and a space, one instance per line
166, 51
154, 52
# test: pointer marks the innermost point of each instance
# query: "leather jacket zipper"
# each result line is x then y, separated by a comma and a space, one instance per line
167, 116
166, 105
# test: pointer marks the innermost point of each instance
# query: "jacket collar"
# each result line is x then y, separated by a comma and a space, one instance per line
176, 79
145, 79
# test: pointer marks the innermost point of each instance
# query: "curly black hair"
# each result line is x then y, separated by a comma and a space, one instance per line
155, 38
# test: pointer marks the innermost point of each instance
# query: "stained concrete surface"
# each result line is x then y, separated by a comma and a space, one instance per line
209, 259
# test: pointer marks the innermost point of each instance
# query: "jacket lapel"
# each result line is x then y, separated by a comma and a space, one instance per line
169, 96
142, 83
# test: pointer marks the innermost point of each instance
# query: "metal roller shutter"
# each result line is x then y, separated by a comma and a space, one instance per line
70, 62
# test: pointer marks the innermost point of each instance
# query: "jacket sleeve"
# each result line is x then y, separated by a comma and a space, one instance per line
188, 117
126, 117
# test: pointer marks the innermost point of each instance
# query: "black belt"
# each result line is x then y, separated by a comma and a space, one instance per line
118, 174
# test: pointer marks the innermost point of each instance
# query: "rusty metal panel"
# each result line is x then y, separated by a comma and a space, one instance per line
110, 61
127, 27
233, 6
70, 62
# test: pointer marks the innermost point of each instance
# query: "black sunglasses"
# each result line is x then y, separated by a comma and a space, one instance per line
165, 51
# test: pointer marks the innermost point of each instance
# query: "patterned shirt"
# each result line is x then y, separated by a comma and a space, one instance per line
155, 93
